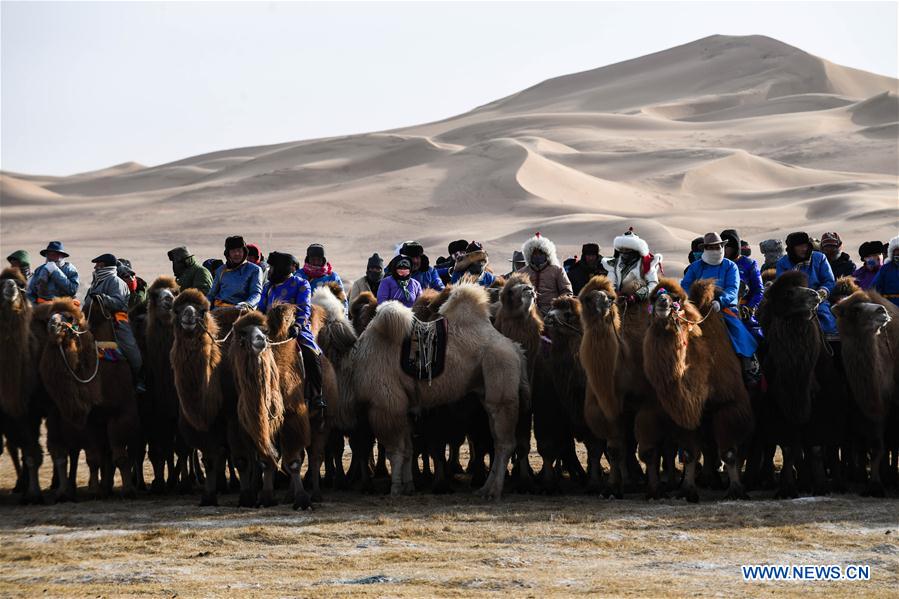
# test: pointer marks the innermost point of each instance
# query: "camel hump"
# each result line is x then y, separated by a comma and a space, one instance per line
392, 321
324, 298
15, 274
703, 293
337, 290
598, 283
466, 301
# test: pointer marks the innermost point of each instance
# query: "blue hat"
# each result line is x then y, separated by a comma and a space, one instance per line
107, 259
55, 246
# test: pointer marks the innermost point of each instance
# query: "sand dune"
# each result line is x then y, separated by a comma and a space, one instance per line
724, 131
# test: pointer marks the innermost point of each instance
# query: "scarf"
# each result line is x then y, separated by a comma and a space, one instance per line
404, 285
315, 272
713, 257
101, 274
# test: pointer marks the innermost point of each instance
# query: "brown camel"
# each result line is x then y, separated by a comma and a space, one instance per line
620, 398
260, 404
691, 364
161, 427
843, 288
519, 319
559, 415
805, 388
478, 358
362, 310
206, 394
19, 382
869, 332
93, 403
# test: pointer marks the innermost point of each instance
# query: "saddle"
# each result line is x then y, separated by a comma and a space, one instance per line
423, 353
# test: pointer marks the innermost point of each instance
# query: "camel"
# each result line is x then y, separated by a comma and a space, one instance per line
843, 288
805, 387
478, 358
619, 396
206, 394
519, 319
94, 407
869, 332
362, 310
260, 403
559, 415
691, 364
19, 404
161, 426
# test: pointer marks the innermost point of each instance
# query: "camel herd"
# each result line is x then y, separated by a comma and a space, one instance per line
644, 386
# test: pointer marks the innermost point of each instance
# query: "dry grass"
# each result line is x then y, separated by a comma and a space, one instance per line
440, 546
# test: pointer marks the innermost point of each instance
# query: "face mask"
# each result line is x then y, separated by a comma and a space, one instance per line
713, 257
476, 268
538, 260
697, 255
896, 259
402, 273
872, 263
628, 258
278, 275
745, 251
373, 276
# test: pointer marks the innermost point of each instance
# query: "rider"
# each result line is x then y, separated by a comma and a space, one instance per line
800, 256
886, 283
543, 269
713, 265
422, 271
20, 260
374, 272
751, 287
473, 263
633, 268
871, 253
287, 286
237, 283
188, 272
586, 268
399, 285
112, 294
55, 278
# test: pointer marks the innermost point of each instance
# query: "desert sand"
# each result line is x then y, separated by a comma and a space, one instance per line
742, 132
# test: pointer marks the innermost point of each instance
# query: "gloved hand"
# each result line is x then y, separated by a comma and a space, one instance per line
50, 268
642, 293
244, 306
823, 294
746, 312
716, 306
294, 331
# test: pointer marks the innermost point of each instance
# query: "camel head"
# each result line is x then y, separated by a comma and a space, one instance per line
12, 288
564, 317
667, 301
161, 297
191, 309
251, 333
598, 301
279, 319
66, 321
789, 296
858, 313
844, 287
518, 295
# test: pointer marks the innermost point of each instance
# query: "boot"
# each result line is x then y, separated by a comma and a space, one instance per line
751, 372
312, 362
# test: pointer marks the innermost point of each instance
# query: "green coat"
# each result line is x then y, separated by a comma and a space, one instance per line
195, 276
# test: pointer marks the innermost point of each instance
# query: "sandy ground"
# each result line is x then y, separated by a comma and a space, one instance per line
457, 545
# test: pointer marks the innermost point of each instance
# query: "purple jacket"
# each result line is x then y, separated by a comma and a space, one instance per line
864, 277
390, 289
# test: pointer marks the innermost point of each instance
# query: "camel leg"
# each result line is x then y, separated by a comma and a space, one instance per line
874, 487
408, 483
787, 488
652, 457
397, 467
690, 456
455, 465
735, 487
819, 476
213, 462
594, 466
94, 462
297, 494
503, 424
266, 497
247, 477
381, 464
65, 488
157, 460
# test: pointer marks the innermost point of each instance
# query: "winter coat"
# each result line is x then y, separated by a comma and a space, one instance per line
842, 266
865, 277
390, 289
581, 273
427, 276
233, 286
886, 283
819, 277
727, 278
52, 280
360, 286
751, 288
550, 280
195, 276
293, 290
113, 291
138, 297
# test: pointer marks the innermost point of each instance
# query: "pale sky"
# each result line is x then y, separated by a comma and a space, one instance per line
89, 85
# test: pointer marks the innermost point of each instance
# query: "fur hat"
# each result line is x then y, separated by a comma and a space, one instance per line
590, 249
894, 244
797, 238
630, 241
316, 250
470, 258
457, 246
831, 239
538, 242
770, 246
235, 242
254, 250
871, 248
412, 249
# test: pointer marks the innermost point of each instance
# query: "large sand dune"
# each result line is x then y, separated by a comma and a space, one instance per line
722, 132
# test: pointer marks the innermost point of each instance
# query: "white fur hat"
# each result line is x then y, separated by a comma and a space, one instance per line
630, 241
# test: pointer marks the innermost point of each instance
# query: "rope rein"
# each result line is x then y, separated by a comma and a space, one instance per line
72, 372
